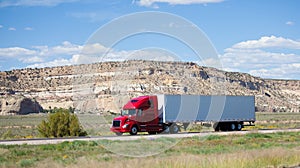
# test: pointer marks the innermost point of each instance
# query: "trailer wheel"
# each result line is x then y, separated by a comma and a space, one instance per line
232, 126
174, 129
133, 130
239, 127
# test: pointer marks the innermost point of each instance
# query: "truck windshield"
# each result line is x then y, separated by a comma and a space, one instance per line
128, 112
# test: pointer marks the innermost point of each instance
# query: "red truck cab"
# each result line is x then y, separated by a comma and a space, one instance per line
140, 114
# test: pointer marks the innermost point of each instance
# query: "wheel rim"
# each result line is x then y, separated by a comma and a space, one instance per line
239, 126
175, 129
134, 130
232, 126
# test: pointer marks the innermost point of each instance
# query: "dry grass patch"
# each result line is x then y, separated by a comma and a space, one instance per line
278, 157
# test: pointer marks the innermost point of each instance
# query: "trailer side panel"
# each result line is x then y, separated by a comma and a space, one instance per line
192, 108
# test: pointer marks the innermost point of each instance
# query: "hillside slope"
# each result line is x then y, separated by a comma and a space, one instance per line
103, 87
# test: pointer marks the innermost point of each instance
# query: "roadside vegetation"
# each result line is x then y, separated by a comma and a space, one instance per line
26, 126
250, 150
61, 124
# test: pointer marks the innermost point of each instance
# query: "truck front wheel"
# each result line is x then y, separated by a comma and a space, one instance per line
133, 130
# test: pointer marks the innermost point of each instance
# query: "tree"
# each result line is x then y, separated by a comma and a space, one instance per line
60, 124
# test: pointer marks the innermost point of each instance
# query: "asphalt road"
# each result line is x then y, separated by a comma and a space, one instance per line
128, 137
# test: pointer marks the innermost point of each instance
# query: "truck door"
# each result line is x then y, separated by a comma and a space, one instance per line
145, 116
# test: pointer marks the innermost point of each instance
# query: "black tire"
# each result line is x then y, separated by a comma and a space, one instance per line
166, 129
133, 130
232, 126
119, 133
239, 126
174, 129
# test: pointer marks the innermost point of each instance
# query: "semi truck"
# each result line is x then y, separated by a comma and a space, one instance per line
168, 113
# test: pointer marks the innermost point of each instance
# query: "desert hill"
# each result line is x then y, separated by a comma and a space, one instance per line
102, 87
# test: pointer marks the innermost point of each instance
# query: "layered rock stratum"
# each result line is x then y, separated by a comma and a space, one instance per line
105, 87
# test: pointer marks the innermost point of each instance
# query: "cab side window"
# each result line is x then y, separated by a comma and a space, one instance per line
140, 112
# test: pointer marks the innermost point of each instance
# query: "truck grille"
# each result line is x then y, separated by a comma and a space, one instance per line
116, 123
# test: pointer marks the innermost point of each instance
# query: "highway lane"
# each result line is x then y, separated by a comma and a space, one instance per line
129, 138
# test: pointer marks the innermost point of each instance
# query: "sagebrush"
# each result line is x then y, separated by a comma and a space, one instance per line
61, 124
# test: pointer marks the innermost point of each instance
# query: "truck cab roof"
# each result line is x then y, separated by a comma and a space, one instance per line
137, 102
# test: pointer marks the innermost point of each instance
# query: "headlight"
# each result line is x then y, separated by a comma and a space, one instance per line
125, 126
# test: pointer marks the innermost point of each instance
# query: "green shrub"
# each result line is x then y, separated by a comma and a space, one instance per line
61, 124
26, 163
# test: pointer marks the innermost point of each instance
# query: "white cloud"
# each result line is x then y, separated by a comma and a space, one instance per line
267, 42
1, 26
262, 57
284, 71
151, 3
31, 59
66, 48
12, 29
39, 53
28, 28
93, 53
258, 60
290, 23
73, 54
7, 3
56, 62
15, 52
70, 54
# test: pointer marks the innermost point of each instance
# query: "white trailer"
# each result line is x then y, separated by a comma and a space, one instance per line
227, 113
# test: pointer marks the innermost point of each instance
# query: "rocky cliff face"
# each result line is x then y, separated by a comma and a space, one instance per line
103, 87
17, 104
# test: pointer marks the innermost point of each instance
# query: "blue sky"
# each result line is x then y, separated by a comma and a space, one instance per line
253, 36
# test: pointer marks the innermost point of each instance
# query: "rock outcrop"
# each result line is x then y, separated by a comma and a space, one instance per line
103, 87
20, 105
